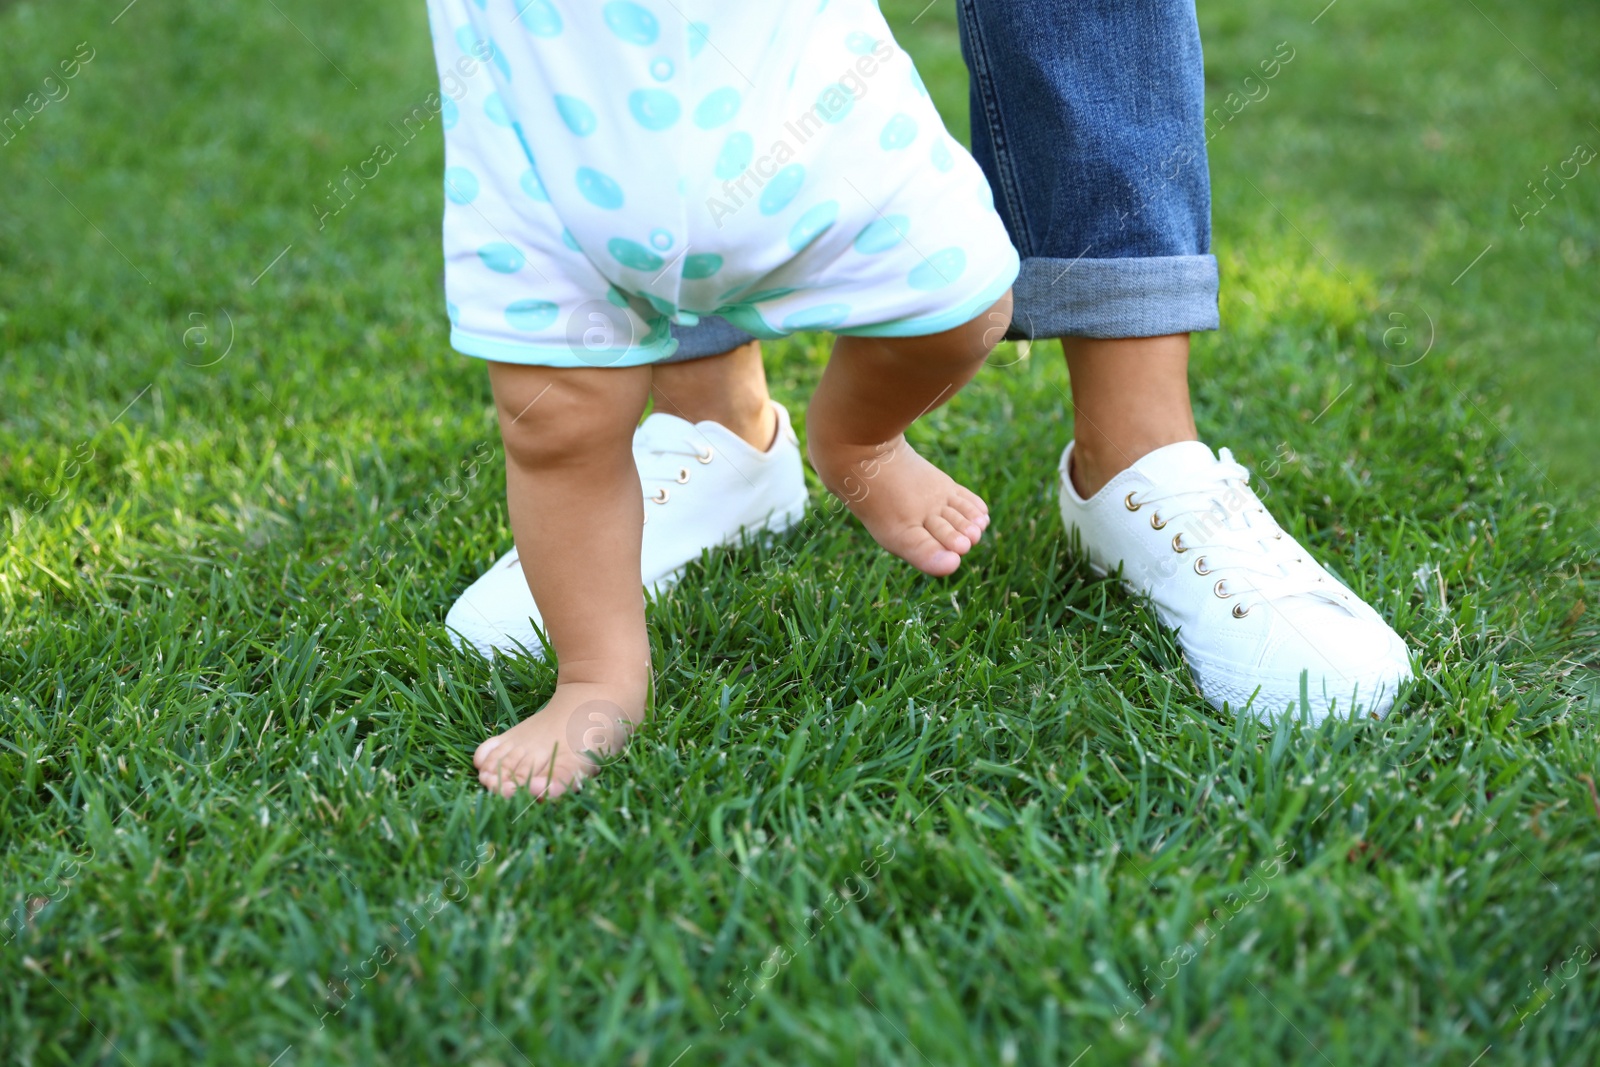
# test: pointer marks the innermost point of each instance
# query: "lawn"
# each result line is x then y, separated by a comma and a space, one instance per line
877, 819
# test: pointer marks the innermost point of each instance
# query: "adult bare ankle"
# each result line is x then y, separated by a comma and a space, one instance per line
729, 389
1130, 396
1088, 475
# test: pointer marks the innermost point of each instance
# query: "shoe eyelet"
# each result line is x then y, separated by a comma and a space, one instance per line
662, 496
1217, 589
1177, 543
1200, 566
1156, 522
1128, 503
683, 475
708, 457
1240, 611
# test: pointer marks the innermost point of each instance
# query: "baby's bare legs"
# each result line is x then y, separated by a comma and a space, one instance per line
871, 391
577, 514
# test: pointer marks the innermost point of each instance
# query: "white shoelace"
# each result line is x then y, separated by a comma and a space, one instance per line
664, 473
1220, 526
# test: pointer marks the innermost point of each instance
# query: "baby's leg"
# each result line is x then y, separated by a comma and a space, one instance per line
872, 390
576, 513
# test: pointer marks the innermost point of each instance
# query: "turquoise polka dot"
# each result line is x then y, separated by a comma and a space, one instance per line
699, 34
540, 18
599, 189
499, 59
578, 116
656, 109
861, 43
501, 258
630, 22
813, 224
941, 268
735, 156
898, 132
453, 312
834, 103
533, 186
633, 254
570, 241
460, 185
718, 107
882, 234
495, 108
617, 296
661, 239
450, 113
783, 188
942, 159
821, 317
471, 42
530, 316
701, 265
661, 69
916, 79
666, 307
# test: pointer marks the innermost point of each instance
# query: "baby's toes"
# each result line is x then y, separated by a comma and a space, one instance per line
545, 786
947, 535
963, 523
481, 758
971, 505
499, 777
919, 548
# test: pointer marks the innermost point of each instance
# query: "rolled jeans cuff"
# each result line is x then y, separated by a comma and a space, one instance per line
1114, 298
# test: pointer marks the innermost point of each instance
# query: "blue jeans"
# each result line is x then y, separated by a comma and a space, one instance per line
1088, 118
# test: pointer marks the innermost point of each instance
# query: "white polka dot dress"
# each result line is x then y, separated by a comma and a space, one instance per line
612, 168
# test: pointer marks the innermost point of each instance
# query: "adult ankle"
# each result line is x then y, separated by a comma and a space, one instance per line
1094, 463
751, 419
729, 389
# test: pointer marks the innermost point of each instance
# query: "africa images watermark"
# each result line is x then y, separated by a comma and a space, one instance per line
781, 956
1581, 156
339, 991
1232, 905
55, 90
453, 87
832, 104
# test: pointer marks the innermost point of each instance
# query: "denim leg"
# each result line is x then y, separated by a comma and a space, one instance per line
711, 336
1088, 116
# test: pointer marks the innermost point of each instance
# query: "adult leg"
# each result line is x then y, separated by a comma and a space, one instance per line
1089, 121
729, 389
1130, 396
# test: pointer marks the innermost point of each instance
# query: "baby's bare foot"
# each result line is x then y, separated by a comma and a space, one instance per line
909, 506
553, 750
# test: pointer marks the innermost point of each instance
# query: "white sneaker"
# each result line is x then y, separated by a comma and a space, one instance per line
704, 486
1259, 621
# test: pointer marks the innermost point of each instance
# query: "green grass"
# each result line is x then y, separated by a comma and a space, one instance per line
953, 821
